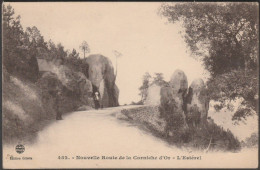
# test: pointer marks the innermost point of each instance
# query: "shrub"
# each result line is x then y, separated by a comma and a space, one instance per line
251, 141
209, 136
137, 103
204, 135
175, 122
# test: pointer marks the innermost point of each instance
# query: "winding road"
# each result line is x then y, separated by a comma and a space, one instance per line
97, 139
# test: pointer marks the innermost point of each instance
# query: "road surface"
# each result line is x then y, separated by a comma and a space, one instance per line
97, 139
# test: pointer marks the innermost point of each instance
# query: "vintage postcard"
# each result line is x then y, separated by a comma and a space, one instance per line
130, 85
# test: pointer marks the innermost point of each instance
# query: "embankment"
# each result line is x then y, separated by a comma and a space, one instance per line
23, 113
208, 136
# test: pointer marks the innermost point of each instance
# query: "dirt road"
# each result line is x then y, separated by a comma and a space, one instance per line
96, 139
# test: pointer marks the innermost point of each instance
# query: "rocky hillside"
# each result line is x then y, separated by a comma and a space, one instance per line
73, 85
190, 103
43, 80
30, 96
178, 113
24, 108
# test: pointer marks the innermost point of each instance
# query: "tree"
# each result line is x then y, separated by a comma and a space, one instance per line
143, 89
158, 79
12, 29
61, 53
74, 54
12, 37
8, 13
225, 37
220, 28
20, 49
73, 60
34, 35
84, 47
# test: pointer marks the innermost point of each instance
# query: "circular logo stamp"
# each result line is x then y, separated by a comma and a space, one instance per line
20, 148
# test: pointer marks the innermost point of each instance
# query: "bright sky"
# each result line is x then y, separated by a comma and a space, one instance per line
148, 43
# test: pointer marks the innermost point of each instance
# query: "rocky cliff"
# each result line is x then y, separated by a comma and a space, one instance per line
75, 88
101, 74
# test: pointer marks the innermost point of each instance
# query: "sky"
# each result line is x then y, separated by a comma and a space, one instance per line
147, 41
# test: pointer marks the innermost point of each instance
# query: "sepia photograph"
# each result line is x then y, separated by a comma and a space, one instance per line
130, 85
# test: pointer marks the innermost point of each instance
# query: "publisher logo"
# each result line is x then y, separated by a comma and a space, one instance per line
20, 149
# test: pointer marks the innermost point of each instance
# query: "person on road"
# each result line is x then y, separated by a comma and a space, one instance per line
58, 102
97, 100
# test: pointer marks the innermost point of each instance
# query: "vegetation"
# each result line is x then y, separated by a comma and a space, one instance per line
137, 103
158, 79
251, 141
144, 88
24, 113
225, 37
209, 137
206, 137
84, 47
18, 43
30, 98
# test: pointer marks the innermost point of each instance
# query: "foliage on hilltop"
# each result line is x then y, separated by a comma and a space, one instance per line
20, 45
148, 80
29, 97
225, 37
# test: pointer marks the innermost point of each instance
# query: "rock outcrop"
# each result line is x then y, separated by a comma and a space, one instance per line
181, 107
179, 86
101, 74
153, 95
116, 95
85, 91
197, 103
23, 108
172, 98
74, 84
179, 82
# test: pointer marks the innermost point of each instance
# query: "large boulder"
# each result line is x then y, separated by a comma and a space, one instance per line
172, 103
103, 93
166, 96
49, 83
171, 111
179, 86
72, 94
75, 84
101, 74
179, 82
45, 65
116, 95
153, 95
85, 90
197, 103
100, 67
